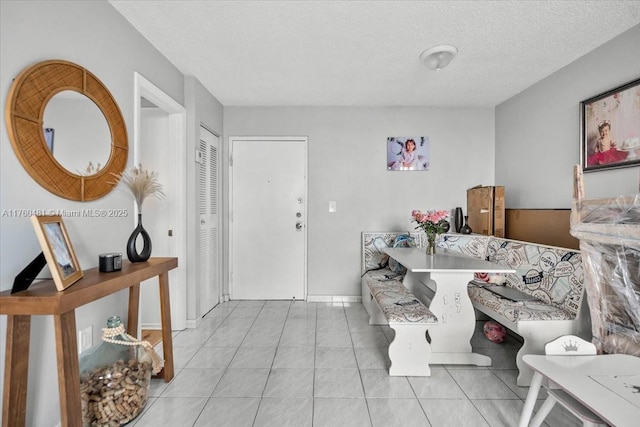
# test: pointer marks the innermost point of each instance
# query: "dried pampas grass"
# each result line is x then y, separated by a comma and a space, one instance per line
141, 183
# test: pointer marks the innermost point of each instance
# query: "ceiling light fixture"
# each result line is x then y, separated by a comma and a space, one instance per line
438, 57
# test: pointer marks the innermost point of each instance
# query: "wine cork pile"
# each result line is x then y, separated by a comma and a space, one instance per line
115, 394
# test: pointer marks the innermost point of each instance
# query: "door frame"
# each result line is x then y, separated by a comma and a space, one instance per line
177, 116
237, 139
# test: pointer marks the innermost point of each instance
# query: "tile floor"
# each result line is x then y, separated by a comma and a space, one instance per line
282, 363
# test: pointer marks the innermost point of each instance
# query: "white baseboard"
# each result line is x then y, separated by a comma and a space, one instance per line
151, 326
158, 326
333, 298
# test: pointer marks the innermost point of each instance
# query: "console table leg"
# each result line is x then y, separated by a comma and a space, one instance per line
134, 310
16, 370
165, 315
68, 370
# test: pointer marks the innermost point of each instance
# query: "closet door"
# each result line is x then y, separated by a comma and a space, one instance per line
209, 242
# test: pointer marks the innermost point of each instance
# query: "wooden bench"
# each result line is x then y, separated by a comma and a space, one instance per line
409, 351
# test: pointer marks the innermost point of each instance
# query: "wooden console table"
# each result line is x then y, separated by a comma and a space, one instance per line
43, 299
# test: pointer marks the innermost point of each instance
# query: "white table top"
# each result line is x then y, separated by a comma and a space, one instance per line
607, 384
417, 261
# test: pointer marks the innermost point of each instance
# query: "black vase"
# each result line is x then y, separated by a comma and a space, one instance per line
132, 252
458, 219
465, 229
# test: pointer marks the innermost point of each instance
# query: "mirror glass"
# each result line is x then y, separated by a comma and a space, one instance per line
77, 133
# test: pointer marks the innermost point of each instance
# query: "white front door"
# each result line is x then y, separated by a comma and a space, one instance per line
208, 202
268, 218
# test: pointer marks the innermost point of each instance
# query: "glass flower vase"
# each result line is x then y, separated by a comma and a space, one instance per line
431, 243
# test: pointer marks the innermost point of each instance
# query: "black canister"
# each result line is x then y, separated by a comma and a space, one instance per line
109, 262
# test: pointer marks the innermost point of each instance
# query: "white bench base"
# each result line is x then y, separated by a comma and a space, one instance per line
409, 351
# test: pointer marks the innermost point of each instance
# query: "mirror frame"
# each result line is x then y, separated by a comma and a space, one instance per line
30, 92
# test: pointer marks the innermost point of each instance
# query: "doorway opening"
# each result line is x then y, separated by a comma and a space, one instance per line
160, 145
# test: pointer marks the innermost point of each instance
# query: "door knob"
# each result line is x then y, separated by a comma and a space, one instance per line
298, 226
202, 221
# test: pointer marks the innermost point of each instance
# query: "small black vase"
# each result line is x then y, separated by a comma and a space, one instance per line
465, 229
458, 219
132, 252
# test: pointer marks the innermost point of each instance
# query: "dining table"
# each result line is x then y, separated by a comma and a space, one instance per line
440, 282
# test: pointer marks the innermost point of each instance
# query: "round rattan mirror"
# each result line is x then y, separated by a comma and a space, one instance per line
28, 97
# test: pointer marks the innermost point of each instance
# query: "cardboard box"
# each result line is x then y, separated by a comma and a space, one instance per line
485, 208
545, 226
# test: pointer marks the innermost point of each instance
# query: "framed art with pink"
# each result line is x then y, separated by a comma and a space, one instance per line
610, 129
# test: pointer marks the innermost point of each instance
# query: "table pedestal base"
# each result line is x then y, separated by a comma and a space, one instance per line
445, 293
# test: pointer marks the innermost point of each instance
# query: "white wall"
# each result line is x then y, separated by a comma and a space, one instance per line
94, 35
538, 131
202, 109
347, 157
81, 131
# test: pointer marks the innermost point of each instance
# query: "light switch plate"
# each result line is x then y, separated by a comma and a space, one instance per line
85, 339
332, 206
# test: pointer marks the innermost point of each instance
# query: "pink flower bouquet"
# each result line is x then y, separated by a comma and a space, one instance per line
431, 222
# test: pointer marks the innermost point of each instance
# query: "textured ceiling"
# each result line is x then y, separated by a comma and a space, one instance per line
366, 53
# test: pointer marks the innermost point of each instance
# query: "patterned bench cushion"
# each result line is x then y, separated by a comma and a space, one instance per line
397, 303
517, 310
373, 245
475, 246
553, 275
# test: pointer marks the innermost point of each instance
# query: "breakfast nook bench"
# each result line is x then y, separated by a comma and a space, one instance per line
548, 283
409, 351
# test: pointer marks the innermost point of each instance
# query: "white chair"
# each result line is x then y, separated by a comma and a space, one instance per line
567, 345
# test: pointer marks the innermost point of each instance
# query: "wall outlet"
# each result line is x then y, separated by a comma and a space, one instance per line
332, 206
85, 339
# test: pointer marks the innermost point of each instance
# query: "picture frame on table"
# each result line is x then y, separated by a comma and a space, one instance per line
610, 129
57, 249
